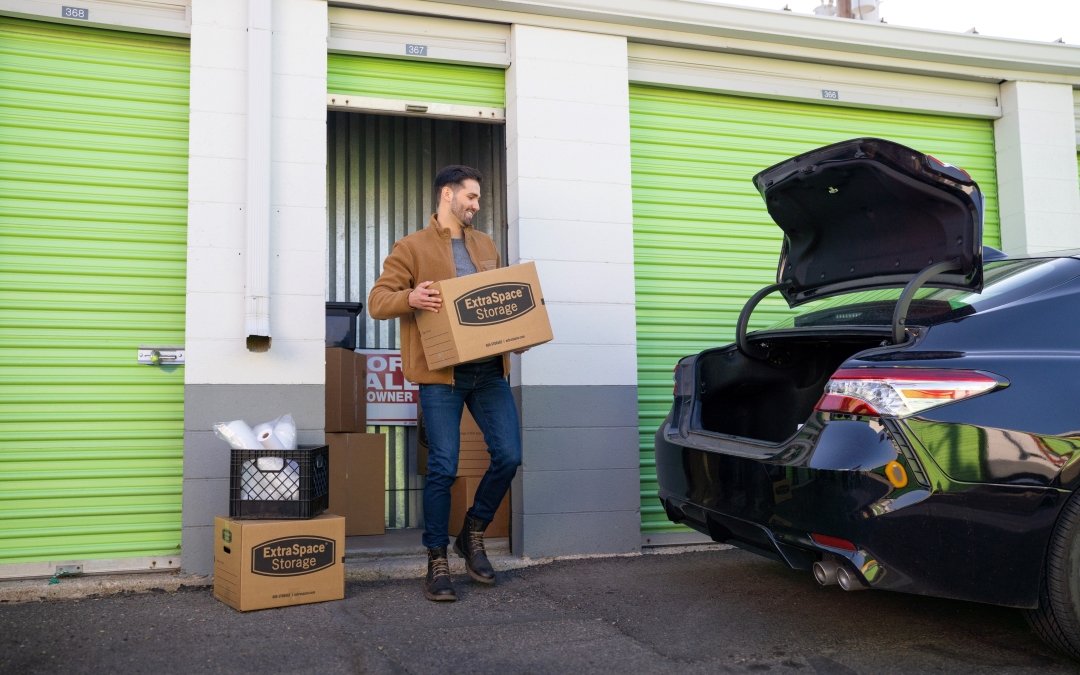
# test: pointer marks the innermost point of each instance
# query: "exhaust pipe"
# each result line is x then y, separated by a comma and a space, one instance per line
825, 572
849, 581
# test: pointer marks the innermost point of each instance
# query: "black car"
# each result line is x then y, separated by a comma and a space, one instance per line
915, 426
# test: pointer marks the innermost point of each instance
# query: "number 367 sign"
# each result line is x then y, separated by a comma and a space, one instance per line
391, 399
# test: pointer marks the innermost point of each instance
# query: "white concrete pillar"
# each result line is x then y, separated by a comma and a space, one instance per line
223, 380
1039, 192
570, 211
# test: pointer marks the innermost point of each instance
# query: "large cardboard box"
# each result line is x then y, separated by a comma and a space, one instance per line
483, 315
473, 456
461, 498
346, 408
274, 563
358, 481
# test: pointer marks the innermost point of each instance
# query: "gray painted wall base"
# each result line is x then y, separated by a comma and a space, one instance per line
206, 457
658, 539
578, 489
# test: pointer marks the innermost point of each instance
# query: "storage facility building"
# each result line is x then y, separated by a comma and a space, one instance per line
195, 172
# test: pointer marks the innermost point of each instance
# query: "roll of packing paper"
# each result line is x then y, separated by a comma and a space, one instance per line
260, 428
266, 436
285, 432
237, 434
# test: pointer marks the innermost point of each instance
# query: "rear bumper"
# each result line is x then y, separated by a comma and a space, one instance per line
984, 543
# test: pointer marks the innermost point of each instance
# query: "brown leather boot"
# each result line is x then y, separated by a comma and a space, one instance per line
470, 545
438, 586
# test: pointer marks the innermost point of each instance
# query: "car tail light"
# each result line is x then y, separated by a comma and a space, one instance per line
832, 542
684, 377
950, 170
900, 392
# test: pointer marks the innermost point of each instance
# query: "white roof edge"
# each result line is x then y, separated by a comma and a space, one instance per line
780, 28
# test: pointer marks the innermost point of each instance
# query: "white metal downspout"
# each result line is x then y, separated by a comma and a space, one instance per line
257, 247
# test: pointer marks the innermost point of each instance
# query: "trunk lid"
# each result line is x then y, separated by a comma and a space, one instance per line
869, 213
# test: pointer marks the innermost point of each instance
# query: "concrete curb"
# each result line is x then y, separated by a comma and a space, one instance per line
40, 590
413, 567
356, 569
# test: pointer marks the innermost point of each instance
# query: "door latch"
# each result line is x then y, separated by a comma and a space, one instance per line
161, 356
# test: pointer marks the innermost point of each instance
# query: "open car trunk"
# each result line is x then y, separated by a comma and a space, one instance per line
768, 399
859, 215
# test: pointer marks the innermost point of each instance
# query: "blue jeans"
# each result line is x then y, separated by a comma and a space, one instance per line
482, 387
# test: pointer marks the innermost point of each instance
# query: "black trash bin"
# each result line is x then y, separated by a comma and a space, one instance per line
341, 325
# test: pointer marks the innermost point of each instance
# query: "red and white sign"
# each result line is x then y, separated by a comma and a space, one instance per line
391, 399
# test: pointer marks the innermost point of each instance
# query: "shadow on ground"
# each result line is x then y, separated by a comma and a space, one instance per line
708, 612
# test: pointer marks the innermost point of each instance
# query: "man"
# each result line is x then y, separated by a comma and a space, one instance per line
450, 247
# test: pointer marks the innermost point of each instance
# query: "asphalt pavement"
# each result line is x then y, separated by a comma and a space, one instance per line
700, 612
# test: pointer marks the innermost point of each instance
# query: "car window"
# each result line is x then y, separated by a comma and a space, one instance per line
1005, 281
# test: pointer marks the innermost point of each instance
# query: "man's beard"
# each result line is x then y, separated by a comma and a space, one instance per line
461, 212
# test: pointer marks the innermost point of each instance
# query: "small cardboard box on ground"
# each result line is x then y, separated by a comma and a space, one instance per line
473, 457
346, 372
358, 481
275, 563
461, 498
483, 315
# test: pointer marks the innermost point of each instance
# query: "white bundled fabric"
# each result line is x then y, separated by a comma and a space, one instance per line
238, 435
289, 487
270, 479
285, 432
265, 433
265, 478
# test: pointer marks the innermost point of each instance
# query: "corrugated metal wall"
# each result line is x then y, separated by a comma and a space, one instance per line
380, 172
703, 241
93, 251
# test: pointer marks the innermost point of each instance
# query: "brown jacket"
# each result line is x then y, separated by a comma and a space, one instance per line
422, 256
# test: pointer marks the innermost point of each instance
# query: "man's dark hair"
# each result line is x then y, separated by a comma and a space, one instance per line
454, 175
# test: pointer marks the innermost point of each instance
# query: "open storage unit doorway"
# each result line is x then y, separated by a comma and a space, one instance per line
380, 170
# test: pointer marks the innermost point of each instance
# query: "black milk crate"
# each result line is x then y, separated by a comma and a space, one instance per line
279, 484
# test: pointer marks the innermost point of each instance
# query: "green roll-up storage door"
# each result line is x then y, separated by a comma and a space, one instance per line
412, 80
93, 231
703, 241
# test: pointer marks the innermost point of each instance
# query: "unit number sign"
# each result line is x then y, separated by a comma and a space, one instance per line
75, 13
416, 50
830, 94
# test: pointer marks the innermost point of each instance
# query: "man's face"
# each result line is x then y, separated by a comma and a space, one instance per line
465, 202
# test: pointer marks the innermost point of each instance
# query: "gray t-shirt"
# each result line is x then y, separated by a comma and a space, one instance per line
462, 262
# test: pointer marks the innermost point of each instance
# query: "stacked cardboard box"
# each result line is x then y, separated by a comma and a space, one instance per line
461, 498
357, 459
358, 481
473, 457
346, 408
473, 462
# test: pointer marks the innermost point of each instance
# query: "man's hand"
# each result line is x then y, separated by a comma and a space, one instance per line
423, 297
519, 352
